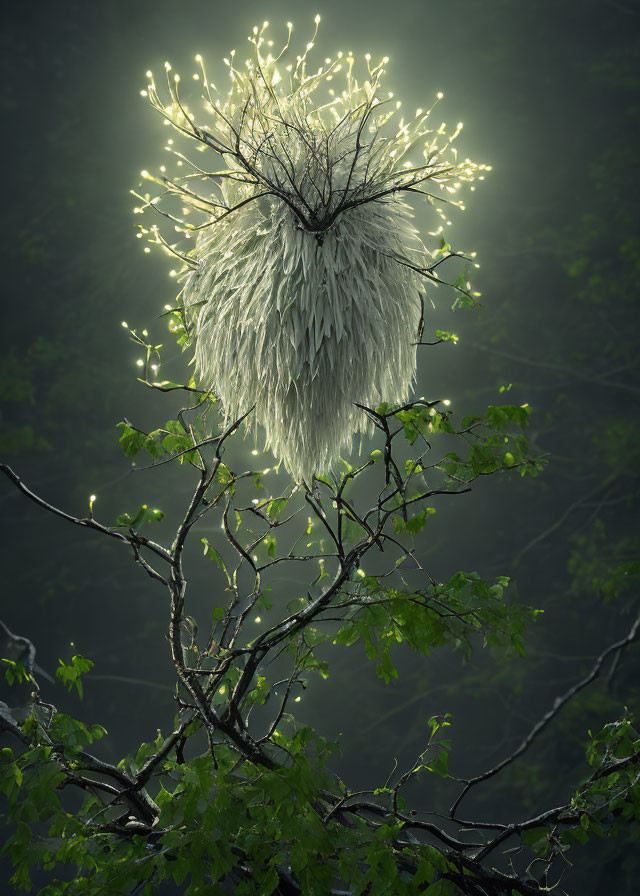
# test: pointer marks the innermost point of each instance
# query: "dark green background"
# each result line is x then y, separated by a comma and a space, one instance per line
550, 96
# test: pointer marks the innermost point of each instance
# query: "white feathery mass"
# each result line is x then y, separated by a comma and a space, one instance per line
302, 293
303, 330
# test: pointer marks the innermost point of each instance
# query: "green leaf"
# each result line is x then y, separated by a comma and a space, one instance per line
535, 836
71, 675
440, 765
15, 673
139, 518
415, 524
275, 507
446, 337
131, 440
211, 554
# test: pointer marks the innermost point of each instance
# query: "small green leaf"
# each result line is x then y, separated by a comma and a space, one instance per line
275, 507
211, 553
131, 440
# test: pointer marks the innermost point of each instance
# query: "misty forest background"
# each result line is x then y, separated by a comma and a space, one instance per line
549, 93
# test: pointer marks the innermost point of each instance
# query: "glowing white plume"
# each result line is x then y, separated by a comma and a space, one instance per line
302, 296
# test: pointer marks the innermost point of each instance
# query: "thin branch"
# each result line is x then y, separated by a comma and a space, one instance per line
559, 703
